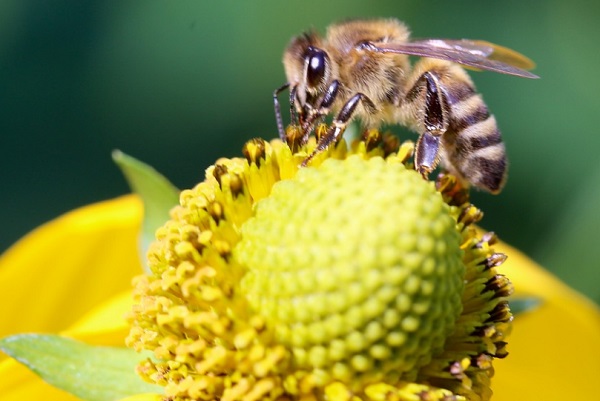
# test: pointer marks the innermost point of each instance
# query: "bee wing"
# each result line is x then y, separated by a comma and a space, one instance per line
477, 54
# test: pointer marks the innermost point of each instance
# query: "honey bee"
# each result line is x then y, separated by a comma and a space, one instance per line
362, 69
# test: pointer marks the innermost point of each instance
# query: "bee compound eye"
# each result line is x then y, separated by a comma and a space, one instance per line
316, 60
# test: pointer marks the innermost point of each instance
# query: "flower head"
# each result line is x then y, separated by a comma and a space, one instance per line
350, 279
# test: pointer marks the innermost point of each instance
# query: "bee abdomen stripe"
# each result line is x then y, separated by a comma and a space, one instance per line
480, 135
491, 152
491, 139
491, 171
473, 114
457, 92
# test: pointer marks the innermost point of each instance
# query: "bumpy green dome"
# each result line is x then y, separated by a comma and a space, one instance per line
364, 280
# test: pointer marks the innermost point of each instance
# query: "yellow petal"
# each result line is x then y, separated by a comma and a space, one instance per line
554, 349
105, 324
62, 269
18, 383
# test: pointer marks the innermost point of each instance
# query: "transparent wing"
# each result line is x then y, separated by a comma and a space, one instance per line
477, 54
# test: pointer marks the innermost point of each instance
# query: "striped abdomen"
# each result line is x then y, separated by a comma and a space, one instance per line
473, 147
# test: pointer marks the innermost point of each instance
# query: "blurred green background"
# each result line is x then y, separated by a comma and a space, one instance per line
178, 84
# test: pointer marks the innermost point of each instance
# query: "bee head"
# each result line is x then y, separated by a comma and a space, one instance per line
307, 67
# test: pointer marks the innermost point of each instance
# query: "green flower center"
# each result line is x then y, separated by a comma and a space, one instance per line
356, 266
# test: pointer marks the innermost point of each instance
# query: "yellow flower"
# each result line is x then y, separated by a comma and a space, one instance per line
554, 348
352, 277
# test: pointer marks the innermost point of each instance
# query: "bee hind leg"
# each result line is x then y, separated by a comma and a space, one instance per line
435, 123
427, 153
339, 124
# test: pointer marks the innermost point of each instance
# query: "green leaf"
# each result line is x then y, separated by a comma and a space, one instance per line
88, 372
519, 305
157, 193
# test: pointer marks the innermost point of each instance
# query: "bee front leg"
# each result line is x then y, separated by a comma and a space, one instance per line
339, 125
435, 124
324, 108
277, 107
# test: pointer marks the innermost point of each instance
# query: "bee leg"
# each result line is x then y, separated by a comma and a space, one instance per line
293, 112
324, 108
427, 153
435, 122
278, 109
338, 125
